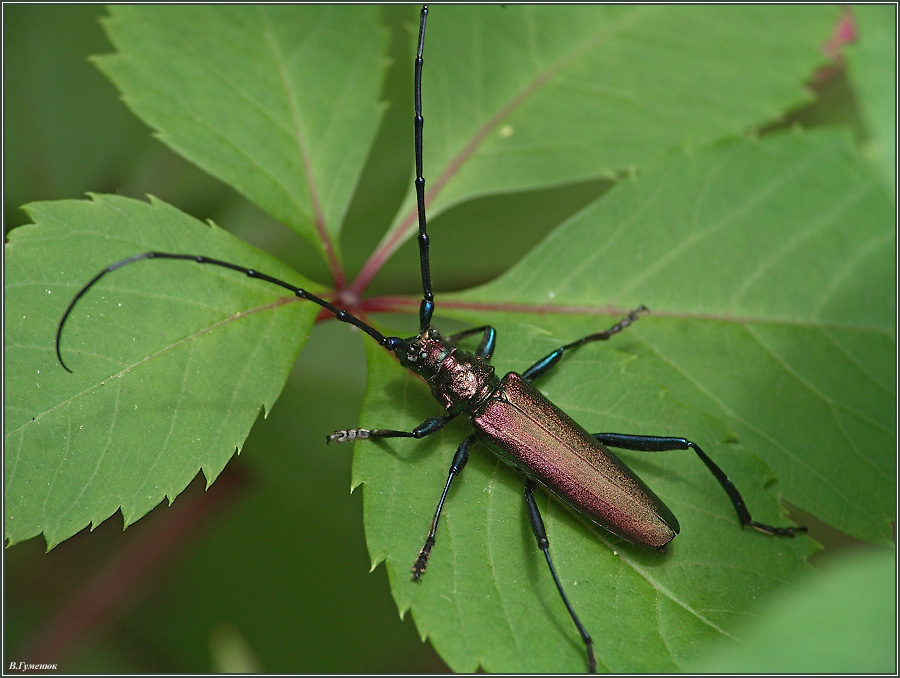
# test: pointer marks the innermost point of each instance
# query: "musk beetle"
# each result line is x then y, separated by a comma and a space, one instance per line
509, 415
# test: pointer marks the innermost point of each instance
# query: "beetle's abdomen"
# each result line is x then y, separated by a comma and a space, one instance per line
535, 436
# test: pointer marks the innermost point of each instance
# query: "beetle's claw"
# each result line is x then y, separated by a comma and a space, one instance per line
418, 568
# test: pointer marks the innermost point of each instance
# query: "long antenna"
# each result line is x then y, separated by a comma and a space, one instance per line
390, 343
426, 309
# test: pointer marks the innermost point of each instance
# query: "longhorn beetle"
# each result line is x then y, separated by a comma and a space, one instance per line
509, 416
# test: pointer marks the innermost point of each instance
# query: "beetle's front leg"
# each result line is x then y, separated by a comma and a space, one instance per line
488, 340
426, 428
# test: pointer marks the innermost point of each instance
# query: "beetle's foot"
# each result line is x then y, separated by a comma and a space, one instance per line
418, 568
348, 436
777, 531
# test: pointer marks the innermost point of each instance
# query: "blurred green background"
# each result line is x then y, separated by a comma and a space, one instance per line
210, 584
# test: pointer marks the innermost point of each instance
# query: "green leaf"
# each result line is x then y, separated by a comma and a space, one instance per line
872, 64
840, 620
278, 103
560, 94
765, 263
771, 331
170, 364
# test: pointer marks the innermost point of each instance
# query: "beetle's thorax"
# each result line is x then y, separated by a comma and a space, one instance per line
459, 380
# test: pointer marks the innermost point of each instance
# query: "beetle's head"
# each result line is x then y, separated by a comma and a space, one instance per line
423, 354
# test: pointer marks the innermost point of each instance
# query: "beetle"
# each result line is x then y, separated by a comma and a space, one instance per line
509, 415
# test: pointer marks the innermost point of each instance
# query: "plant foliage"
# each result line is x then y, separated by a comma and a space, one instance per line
767, 262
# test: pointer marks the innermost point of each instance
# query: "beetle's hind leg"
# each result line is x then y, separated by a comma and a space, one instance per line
537, 526
664, 443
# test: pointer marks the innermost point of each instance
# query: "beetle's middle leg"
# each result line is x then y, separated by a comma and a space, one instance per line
554, 357
459, 461
485, 350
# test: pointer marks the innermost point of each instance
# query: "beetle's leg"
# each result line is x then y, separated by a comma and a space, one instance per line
459, 461
665, 443
537, 526
426, 428
485, 350
488, 340
551, 359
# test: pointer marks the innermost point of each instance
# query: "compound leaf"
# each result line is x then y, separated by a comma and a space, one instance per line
280, 104
167, 376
